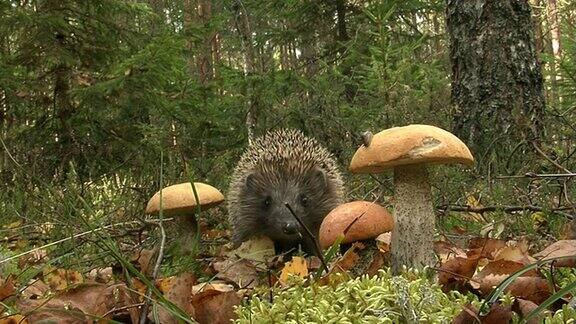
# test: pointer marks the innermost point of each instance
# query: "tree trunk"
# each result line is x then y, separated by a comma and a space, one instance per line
244, 29
554, 24
496, 78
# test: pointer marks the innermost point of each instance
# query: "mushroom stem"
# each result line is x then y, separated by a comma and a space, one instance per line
414, 220
188, 239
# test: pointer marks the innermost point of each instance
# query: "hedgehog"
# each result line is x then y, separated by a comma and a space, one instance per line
283, 167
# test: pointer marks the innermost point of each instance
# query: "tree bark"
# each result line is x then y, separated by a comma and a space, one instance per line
496, 78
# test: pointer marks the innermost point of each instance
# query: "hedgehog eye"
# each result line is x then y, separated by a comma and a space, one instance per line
304, 200
267, 201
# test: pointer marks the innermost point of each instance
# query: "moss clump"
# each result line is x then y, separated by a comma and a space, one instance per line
384, 298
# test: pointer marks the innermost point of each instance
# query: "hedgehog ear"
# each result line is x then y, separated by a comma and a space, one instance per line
319, 177
251, 181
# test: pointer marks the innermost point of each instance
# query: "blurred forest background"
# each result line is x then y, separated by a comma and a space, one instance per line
94, 95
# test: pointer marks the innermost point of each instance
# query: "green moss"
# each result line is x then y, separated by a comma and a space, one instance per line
381, 299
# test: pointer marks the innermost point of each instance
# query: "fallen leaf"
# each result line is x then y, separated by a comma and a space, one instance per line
7, 288
239, 271
383, 242
524, 307
179, 294
144, 260
215, 307
515, 251
350, 257
456, 273
560, 249
256, 249
488, 246
212, 285
36, 289
13, 319
495, 272
296, 267
100, 275
78, 304
498, 314
61, 279
446, 250
534, 289
164, 284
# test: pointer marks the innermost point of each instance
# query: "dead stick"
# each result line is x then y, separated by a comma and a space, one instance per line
312, 237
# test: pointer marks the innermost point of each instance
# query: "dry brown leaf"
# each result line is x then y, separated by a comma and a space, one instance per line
488, 246
215, 307
7, 288
35, 289
242, 272
144, 260
257, 249
383, 242
164, 284
560, 249
515, 251
498, 315
218, 285
100, 275
350, 257
179, 293
456, 273
74, 305
61, 279
446, 250
495, 272
296, 267
534, 289
524, 307
469, 314
13, 319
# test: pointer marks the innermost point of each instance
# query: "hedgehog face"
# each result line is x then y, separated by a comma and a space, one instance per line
270, 190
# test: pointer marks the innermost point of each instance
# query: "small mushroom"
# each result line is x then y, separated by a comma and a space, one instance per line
356, 221
178, 201
408, 150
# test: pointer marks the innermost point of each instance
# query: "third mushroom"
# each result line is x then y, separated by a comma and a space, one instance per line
408, 151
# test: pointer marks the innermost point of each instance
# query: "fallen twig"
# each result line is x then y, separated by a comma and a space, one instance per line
503, 208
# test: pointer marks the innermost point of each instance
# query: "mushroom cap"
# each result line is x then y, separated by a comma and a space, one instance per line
412, 144
179, 199
369, 218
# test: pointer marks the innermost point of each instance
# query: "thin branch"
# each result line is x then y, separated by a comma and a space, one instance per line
537, 175
544, 155
506, 209
312, 237
144, 310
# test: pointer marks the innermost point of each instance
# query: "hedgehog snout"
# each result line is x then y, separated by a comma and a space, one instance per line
290, 228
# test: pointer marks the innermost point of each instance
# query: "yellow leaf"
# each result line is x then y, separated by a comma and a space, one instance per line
296, 267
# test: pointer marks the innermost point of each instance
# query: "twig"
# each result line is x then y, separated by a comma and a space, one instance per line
9, 155
144, 310
506, 209
312, 237
115, 310
544, 155
536, 175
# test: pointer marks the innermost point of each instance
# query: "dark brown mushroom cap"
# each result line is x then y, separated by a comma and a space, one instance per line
179, 199
369, 218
